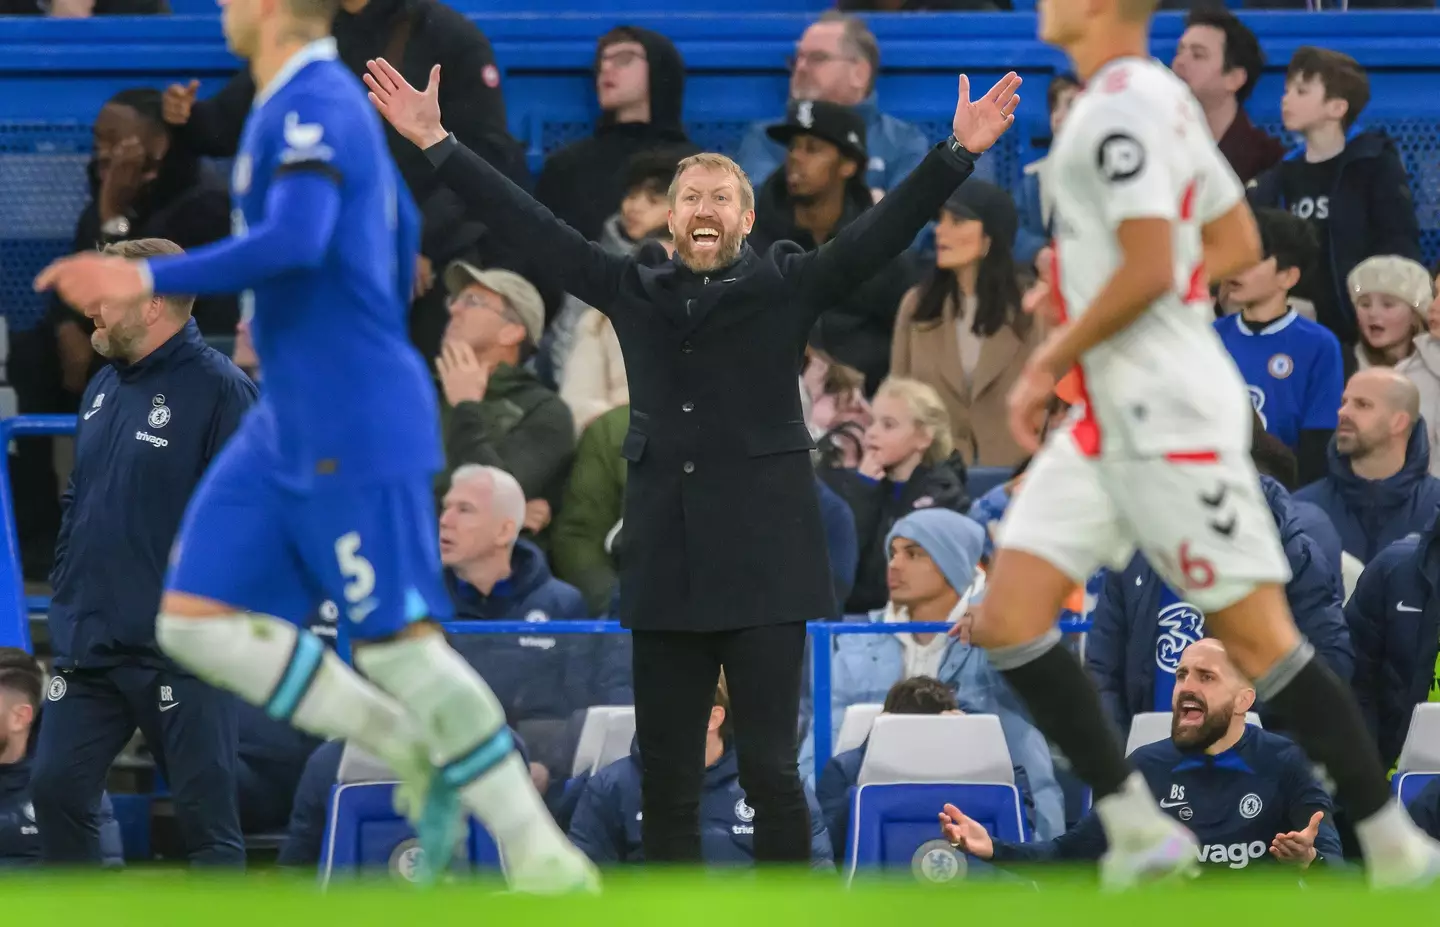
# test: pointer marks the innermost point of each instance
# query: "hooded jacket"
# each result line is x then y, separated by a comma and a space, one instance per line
1120, 651
583, 182
20, 835
1372, 211
1370, 514
858, 330
606, 823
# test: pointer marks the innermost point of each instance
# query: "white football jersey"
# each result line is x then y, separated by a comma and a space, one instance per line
1135, 145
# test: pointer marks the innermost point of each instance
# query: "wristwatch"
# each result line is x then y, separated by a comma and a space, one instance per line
956, 148
118, 227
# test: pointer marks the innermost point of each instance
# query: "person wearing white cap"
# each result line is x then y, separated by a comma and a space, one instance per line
496, 412
1391, 296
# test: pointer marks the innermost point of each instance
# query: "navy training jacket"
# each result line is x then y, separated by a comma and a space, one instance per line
146, 433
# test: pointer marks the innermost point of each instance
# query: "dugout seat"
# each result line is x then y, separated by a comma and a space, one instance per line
855, 725
604, 737
1420, 756
363, 832
913, 765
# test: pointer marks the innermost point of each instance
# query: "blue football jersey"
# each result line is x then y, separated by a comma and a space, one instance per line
345, 396
1293, 370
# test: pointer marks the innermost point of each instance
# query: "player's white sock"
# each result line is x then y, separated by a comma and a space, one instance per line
1395, 850
465, 727
1130, 815
295, 678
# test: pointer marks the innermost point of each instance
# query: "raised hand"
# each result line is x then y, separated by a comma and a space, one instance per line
415, 114
177, 101
89, 279
463, 378
977, 125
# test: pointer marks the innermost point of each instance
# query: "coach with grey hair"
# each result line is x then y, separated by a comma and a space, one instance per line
724, 554
150, 423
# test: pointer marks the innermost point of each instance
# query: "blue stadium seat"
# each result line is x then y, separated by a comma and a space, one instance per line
1408, 785
980, 480
894, 826
363, 832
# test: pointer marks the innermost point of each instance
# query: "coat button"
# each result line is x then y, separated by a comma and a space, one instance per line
689, 466
687, 348
687, 407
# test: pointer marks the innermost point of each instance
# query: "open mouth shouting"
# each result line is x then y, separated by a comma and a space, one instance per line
1190, 711
705, 238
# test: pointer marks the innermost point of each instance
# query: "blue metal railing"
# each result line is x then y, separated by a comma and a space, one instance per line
16, 632
15, 606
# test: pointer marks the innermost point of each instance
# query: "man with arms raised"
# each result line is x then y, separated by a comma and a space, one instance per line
724, 553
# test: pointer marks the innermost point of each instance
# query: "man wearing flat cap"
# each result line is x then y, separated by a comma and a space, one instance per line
819, 190
496, 412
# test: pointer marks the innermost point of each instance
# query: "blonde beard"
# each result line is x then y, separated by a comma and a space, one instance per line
725, 255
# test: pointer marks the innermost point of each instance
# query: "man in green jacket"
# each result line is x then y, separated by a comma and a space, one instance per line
497, 413
581, 545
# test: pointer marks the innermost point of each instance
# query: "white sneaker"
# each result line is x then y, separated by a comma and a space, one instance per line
1173, 854
551, 866
1422, 871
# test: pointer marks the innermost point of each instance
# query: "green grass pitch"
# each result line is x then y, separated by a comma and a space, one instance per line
268, 899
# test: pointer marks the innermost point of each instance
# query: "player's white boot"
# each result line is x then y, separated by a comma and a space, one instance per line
549, 864
1172, 853
1398, 854
1145, 845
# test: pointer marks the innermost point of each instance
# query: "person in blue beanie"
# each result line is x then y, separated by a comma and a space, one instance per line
934, 576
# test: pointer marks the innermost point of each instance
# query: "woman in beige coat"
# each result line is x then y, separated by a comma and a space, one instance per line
962, 330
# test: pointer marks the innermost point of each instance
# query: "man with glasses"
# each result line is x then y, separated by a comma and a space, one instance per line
837, 60
640, 85
496, 412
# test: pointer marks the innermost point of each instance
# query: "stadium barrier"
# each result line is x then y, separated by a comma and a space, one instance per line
16, 607
56, 73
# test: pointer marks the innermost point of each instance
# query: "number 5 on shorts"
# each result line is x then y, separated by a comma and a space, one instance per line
359, 574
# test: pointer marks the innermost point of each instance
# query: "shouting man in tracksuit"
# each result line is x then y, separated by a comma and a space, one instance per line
150, 423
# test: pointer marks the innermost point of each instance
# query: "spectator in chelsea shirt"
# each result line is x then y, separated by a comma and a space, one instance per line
1292, 365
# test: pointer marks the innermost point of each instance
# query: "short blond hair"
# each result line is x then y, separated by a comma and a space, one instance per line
138, 249
716, 162
927, 411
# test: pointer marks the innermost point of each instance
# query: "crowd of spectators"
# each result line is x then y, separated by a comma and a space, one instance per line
903, 385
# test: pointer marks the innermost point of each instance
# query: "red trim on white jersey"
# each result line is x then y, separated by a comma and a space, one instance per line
1086, 431
1195, 457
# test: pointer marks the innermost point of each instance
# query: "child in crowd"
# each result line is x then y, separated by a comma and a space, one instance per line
1349, 185
1292, 365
